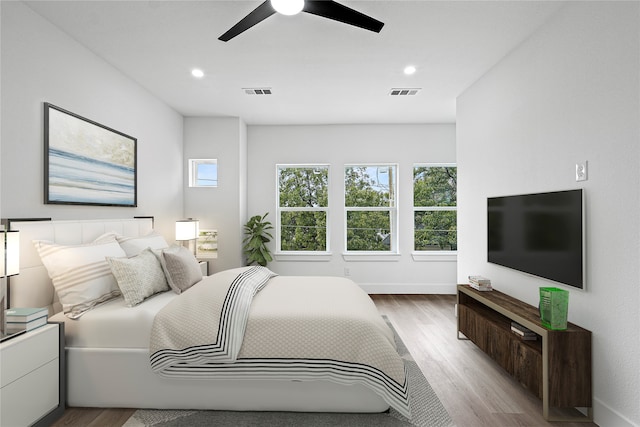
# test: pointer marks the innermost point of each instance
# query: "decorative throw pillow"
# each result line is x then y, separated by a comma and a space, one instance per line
80, 274
180, 267
139, 277
132, 246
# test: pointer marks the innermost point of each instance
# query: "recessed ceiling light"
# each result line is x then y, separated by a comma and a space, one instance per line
198, 73
409, 70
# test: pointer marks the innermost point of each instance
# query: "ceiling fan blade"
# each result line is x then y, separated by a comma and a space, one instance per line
258, 15
332, 10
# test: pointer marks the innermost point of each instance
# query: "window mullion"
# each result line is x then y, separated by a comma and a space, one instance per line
372, 208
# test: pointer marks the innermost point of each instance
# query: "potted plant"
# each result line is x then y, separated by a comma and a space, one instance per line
255, 242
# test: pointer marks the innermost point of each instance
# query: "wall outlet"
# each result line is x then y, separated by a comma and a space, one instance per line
347, 272
582, 171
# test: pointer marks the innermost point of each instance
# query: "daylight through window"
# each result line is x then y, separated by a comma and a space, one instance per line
371, 208
203, 172
435, 207
302, 208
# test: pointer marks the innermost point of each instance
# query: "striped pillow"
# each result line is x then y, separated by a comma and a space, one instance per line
80, 274
134, 245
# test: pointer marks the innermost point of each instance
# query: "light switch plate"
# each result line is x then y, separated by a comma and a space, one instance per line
582, 171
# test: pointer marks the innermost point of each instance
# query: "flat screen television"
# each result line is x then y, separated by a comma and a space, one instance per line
542, 234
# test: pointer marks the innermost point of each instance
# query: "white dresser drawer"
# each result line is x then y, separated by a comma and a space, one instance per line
27, 352
24, 402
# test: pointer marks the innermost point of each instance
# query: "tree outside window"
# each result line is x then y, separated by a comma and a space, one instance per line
435, 207
303, 208
370, 208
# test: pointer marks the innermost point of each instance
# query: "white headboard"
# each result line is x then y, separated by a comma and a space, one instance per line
33, 287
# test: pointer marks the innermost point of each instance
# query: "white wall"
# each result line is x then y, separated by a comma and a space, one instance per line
222, 208
338, 145
42, 64
569, 93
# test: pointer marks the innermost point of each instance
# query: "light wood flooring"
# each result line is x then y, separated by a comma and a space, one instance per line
475, 390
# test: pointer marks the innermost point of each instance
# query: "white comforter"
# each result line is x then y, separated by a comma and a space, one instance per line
297, 328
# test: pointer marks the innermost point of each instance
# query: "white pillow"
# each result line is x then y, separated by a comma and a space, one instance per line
181, 268
139, 277
132, 246
80, 274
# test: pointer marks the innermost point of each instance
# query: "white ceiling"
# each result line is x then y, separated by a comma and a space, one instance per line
320, 71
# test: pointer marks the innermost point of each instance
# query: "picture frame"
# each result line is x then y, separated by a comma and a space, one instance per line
87, 163
207, 244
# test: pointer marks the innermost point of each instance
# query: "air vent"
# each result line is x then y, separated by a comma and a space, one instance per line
403, 91
257, 90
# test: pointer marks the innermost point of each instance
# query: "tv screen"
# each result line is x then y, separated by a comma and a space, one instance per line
540, 234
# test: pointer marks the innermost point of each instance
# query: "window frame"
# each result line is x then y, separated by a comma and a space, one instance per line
284, 255
394, 247
426, 255
193, 172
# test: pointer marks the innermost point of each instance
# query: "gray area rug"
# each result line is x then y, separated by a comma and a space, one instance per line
426, 411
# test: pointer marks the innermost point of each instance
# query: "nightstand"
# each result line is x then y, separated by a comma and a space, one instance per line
33, 377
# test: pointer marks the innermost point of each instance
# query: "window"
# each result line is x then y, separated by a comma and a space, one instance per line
203, 172
370, 208
435, 207
302, 208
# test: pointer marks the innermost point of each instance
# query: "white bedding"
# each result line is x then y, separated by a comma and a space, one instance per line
304, 307
114, 325
247, 324
107, 349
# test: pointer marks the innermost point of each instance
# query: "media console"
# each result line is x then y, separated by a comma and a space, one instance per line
556, 366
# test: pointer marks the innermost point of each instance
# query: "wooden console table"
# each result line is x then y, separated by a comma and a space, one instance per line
556, 367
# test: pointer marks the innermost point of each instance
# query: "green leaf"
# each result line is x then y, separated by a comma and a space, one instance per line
256, 238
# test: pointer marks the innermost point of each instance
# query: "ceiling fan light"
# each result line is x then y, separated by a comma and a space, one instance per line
288, 7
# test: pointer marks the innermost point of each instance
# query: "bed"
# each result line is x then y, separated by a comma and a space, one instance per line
115, 358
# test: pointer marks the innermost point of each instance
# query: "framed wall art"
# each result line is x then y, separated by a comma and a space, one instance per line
207, 244
86, 163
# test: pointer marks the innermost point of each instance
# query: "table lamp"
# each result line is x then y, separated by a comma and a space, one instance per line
187, 231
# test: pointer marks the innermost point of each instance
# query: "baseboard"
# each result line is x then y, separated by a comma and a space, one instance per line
409, 288
604, 415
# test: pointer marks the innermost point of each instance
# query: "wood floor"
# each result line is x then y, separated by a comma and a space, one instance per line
474, 390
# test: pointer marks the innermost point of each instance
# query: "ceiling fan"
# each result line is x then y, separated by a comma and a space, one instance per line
325, 8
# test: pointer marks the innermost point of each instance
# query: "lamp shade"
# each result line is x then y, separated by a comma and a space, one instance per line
10, 253
187, 229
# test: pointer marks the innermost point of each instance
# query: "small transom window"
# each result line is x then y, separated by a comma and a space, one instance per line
203, 172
